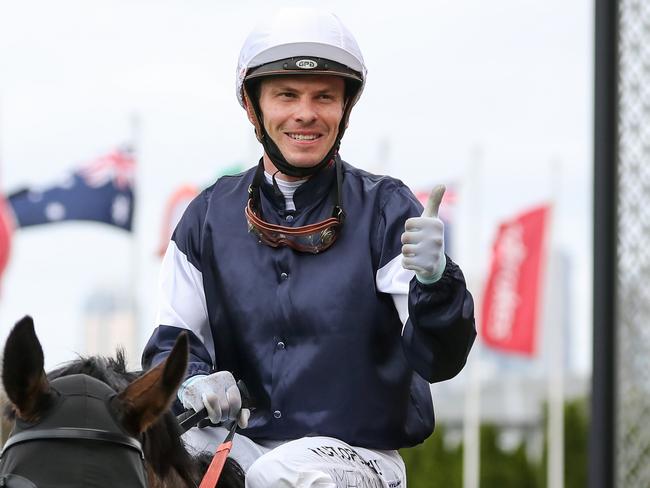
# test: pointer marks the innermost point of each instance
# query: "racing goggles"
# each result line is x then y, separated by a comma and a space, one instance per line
313, 238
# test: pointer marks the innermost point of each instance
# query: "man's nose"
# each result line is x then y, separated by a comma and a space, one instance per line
305, 111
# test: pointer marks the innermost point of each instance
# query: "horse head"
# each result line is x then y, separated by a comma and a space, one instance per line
76, 430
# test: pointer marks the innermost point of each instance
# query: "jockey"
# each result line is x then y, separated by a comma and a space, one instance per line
318, 284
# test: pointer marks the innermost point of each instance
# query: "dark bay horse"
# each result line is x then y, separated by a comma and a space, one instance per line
92, 423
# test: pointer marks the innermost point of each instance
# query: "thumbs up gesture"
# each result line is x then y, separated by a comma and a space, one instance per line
423, 244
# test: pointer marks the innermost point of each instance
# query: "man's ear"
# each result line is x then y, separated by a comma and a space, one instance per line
248, 105
249, 110
346, 111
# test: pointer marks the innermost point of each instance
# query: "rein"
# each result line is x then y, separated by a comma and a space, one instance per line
213, 473
189, 418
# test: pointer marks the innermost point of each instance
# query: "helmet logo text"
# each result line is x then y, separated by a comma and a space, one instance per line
306, 64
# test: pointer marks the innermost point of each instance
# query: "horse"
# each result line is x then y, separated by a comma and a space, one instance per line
73, 428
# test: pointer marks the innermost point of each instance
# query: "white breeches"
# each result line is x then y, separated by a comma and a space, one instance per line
310, 462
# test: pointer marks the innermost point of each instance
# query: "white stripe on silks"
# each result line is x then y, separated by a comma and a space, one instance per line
394, 279
181, 297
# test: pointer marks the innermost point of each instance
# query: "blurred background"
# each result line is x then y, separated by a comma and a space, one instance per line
117, 112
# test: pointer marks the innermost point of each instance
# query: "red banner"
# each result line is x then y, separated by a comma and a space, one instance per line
6, 227
512, 293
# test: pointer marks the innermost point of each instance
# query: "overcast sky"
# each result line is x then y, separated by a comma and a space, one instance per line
456, 89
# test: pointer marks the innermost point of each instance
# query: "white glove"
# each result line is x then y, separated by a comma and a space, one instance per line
423, 249
218, 393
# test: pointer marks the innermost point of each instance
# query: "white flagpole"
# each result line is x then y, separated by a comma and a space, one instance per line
472, 422
472, 414
383, 156
134, 136
555, 344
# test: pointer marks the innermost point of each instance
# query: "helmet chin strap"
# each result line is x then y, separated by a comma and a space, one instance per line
277, 158
275, 155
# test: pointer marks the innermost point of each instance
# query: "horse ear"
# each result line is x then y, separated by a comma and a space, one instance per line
149, 396
22, 371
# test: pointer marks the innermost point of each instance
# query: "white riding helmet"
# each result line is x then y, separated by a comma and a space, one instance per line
296, 33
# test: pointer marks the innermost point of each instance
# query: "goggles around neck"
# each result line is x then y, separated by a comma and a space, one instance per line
313, 238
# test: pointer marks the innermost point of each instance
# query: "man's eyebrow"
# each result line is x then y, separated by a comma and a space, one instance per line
288, 87
284, 87
325, 91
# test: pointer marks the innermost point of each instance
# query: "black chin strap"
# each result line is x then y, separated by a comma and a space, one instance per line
276, 157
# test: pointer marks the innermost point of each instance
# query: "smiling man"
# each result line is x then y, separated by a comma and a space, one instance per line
323, 287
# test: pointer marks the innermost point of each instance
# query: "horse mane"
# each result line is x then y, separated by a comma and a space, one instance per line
163, 447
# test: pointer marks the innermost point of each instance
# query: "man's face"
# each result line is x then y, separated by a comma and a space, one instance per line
302, 115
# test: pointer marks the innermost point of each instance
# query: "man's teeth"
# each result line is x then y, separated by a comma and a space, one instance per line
303, 137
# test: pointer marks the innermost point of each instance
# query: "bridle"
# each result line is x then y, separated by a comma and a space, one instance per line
16, 481
75, 434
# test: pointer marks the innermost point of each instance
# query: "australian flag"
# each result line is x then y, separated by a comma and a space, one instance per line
101, 191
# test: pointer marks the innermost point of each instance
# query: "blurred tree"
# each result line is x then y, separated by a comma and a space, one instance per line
435, 464
576, 438
501, 468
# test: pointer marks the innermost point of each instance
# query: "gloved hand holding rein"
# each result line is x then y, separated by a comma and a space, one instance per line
218, 394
